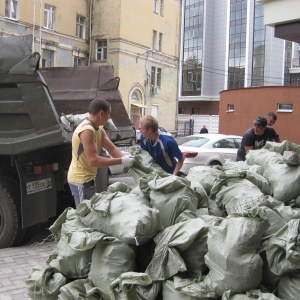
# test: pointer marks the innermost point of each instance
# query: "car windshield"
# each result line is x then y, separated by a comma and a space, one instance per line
192, 141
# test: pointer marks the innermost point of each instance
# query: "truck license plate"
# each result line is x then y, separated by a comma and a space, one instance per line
38, 186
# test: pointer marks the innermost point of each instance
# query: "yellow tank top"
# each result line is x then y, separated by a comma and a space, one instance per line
79, 171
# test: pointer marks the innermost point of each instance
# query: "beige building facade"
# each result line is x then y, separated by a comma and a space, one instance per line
140, 38
59, 28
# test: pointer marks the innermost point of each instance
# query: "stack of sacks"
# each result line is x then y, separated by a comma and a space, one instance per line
152, 242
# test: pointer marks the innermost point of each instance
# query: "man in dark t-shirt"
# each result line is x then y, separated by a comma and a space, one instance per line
256, 137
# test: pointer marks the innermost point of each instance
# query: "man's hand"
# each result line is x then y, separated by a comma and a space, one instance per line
127, 161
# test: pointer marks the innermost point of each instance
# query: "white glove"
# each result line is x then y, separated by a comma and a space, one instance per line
127, 161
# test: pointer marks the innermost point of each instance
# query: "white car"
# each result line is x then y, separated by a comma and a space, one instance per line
160, 130
208, 149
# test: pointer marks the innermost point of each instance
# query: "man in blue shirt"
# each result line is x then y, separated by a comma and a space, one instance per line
163, 148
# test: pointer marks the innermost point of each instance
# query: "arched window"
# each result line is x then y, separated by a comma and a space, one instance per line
135, 96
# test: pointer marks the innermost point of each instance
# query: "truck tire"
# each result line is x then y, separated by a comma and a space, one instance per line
11, 233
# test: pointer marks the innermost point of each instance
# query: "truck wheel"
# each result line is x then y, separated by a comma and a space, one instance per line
11, 233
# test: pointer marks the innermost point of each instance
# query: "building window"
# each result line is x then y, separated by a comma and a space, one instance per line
258, 62
155, 80
154, 37
155, 9
12, 9
160, 42
237, 43
182, 110
102, 50
80, 27
162, 7
48, 58
285, 107
192, 48
135, 97
158, 77
230, 107
49, 16
79, 61
195, 111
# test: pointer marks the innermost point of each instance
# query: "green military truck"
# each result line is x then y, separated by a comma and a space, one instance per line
35, 146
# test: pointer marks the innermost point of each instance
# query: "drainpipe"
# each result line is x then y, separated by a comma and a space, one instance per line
33, 26
90, 32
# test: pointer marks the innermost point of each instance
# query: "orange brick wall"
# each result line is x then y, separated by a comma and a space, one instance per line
251, 102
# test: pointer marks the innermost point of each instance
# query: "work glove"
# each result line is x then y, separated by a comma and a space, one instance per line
127, 161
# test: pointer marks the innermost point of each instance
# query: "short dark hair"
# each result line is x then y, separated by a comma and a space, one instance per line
272, 115
99, 104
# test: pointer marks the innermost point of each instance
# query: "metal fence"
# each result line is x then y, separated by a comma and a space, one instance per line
185, 127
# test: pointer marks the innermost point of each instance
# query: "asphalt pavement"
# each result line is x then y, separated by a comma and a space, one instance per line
16, 263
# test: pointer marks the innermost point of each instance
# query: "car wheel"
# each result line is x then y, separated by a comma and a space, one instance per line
215, 163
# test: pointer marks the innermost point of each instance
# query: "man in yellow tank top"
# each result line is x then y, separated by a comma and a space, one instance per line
87, 140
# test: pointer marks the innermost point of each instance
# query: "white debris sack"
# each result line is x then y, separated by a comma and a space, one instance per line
125, 216
232, 256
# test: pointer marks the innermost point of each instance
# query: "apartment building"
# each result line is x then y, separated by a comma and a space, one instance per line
140, 38
59, 28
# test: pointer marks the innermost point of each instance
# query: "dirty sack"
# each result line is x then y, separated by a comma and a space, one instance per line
125, 287
125, 216
44, 282
277, 171
172, 290
235, 193
73, 253
232, 257
170, 196
289, 286
80, 289
179, 248
110, 259
283, 249
249, 295
205, 175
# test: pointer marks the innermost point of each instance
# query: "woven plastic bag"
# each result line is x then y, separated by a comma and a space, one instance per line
232, 256
125, 216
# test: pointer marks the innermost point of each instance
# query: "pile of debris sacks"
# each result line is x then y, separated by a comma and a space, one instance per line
228, 232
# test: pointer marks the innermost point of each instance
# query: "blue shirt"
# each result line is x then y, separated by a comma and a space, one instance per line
163, 151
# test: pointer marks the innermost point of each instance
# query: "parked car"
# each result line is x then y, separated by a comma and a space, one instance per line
161, 130
208, 149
